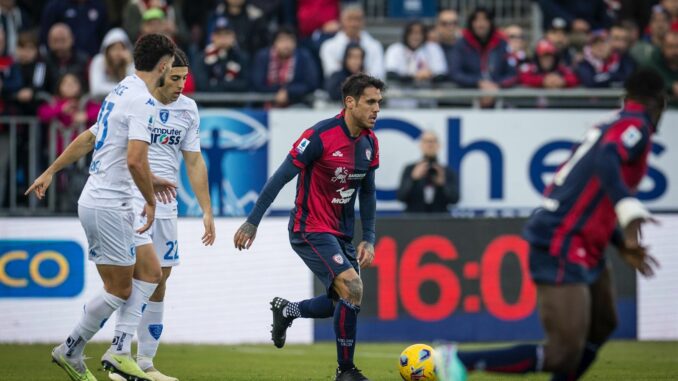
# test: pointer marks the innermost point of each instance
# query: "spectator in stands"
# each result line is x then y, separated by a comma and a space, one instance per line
352, 30
63, 57
68, 110
580, 15
517, 43
428, 186
557, 34
285, 69
660, 22
317, 16
480, 58
602, 66
415, 58
10, 77
447, 32
247, 21
547, 72
13, 20
665, 61
112, 64
221, 66
32, 72
154, 20
620, 42
637, 11
134, 12
87, 20
671, 6
354, 60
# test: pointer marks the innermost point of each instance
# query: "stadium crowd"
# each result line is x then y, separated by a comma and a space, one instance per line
293, 48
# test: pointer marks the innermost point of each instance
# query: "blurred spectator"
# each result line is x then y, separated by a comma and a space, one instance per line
317, 15
352, 30
427, 186
580, 15
632, 29
66, 108
247, 21
547, 71
63, 57
517, 43
415, 59
480, 58
221, 66
13, 20
285, 70
135, 16
671, 6
557, 34
10, 77
660, 21
602, 66
112, 64
354, 59
665, 61
636, 10
87, 20
447, 32
620, 41
33, 71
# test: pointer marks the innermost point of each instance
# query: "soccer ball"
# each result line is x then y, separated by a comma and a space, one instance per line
416, 363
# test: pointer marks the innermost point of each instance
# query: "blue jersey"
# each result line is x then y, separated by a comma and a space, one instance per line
577, 218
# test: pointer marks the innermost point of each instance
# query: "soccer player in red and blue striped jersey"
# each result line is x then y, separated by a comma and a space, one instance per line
590, 203
335, 161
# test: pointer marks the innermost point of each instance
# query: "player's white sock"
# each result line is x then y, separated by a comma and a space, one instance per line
95, 314
129, 316
149, 332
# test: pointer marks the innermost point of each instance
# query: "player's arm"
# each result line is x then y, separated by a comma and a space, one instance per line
197, 175
78, 148
138, 139
368, 211
247, 232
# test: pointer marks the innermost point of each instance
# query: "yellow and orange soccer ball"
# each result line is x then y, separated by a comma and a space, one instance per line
416, 363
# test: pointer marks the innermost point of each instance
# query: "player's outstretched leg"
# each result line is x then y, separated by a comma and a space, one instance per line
69, 355
349, 287
284, 312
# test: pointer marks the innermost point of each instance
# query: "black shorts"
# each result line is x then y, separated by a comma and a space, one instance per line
326, 255
546, 268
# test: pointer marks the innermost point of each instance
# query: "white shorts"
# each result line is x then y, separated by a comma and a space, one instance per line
110, 235
163, 236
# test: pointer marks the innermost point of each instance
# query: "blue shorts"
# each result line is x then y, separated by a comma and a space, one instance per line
546, 268
326, 255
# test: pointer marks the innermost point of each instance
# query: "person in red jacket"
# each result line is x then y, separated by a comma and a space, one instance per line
547, 71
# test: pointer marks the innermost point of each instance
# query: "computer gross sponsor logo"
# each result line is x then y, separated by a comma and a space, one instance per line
41, 269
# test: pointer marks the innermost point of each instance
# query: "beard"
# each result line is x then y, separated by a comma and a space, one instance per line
160, 82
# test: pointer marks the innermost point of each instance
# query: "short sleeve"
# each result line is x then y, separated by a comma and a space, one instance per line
141, 119
191, 141
306, 149
375, 155
94, 129
629, 137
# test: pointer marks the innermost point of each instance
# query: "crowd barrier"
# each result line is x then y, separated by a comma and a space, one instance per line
462, 280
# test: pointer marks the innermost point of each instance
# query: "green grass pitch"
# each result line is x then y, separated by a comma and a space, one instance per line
619, 360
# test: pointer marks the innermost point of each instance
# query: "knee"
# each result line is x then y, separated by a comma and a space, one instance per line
563, 358
150, 275
122, 291
351, 289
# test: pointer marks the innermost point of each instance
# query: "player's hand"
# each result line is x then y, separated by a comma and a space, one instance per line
633, 232
149, 213
40, 186
209, 236
639, 259
164, 190
365, 254
245, 236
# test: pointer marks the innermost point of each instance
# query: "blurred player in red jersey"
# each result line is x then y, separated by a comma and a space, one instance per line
336, 160
590, 204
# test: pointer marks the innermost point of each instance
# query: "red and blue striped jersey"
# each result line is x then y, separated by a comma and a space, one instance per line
577, 220
333, 165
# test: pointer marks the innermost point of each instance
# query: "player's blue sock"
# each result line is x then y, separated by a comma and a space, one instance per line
587, 358
320, 307
518, 359
345, 324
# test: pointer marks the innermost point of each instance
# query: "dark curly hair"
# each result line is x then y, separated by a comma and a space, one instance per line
149, 49
355, 85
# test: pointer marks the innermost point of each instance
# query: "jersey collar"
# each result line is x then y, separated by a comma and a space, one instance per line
636, 108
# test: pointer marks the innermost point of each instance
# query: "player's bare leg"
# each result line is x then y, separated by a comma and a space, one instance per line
603, 323
566, 317
147, 275
349, 287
